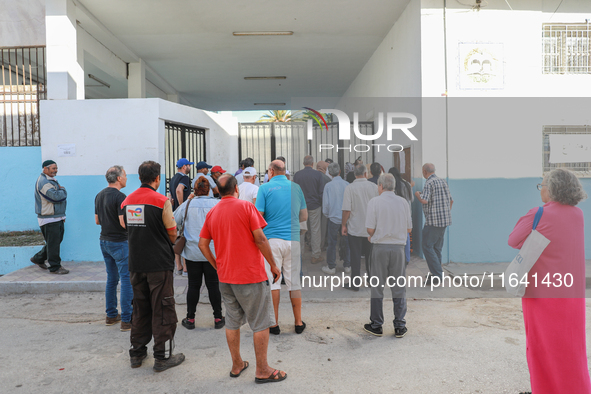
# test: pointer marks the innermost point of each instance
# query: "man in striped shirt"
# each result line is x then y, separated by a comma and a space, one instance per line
437, 203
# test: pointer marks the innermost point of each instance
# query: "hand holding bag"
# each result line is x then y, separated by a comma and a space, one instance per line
179, 245
530, 252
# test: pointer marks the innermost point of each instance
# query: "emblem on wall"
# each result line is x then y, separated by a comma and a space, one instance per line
481, 66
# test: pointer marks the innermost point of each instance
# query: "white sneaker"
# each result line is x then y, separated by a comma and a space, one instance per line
347, 270
330, 271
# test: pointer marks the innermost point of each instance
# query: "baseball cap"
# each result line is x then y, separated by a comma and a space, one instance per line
218, 169
183, 162
250, 171
202, 164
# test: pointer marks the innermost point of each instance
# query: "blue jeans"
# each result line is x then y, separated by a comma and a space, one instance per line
407, 248
432, 246
333, 231
115, 255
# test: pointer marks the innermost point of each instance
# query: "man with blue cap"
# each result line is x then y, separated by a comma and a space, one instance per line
203, 170
180, 184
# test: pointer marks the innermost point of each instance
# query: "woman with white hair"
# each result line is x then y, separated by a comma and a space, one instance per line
554, 302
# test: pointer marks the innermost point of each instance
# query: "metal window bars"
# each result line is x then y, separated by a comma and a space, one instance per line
24, 77
183, 141
566, 48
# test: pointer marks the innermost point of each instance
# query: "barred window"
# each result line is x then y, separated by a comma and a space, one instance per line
567, 147
23, 85
565, 48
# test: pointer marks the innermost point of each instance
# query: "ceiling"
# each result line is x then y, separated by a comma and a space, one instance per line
190, 45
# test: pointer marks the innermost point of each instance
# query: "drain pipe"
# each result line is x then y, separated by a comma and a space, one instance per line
446, 110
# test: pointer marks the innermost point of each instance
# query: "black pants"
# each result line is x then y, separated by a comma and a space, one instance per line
53, 233
359, 246
154, 313
196, 270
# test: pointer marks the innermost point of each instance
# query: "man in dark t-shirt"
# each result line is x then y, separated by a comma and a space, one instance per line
109, 215
152, 231
180, 184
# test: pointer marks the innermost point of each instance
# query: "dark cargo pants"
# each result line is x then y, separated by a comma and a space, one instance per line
154, 313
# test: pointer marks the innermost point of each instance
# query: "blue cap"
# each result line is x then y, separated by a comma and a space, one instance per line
183, 162
202, 164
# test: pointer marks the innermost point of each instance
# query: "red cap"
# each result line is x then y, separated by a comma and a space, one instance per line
217, 169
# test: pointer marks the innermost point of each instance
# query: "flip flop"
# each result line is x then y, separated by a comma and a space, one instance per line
274, 377
235, 375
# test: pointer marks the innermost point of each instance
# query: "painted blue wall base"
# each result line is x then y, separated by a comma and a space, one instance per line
21, 167
15, 258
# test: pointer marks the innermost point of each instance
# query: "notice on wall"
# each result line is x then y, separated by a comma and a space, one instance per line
66, 150
570, 148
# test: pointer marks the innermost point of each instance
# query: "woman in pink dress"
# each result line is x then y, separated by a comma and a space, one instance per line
554, 302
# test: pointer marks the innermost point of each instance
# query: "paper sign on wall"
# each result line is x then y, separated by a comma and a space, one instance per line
570, 148
66, 150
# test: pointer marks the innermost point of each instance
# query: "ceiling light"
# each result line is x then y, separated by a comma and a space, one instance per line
257, 78
269, 104
99, 80
262, 33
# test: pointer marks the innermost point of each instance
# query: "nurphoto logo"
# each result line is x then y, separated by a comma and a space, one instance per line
345, 129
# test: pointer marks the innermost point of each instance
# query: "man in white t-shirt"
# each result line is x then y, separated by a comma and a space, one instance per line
248, 190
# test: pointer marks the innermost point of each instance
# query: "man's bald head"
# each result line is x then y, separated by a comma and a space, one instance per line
308, 161
429, 168
227, 185
278, 167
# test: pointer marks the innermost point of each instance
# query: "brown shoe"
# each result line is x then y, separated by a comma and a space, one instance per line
172, 361
317, 260
109, 321
125, 326
60, 271
40, 265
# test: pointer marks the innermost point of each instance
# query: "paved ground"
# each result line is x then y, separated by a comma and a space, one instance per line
461, 341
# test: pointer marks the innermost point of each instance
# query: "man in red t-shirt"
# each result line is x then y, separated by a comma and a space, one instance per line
236, 228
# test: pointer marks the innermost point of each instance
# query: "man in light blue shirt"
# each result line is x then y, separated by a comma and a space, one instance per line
282, 205
332, 208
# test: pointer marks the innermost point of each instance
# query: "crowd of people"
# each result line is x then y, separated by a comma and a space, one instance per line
246, 240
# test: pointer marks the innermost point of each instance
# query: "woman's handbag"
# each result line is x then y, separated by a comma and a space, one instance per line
530, 252
179, 245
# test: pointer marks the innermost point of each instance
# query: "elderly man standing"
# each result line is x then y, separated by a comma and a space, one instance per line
355, 200
248, 190
151, 232
283, 206
236, 228
388, 222
332, 208
437, 203
312, 184
50, 207
113, 240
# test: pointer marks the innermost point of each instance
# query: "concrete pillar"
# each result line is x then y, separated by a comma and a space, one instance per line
65, 73
136, 81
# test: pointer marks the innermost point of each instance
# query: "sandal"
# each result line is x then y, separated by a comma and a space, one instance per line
275, 330
274, 377
235, 375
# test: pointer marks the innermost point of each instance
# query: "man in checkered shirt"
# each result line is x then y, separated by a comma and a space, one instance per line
437, 204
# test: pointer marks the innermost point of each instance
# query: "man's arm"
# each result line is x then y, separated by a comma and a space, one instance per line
179, 192
451, 203
96, 219
122, 221
171, 234
346, 215
418, 196
263, 244
204, 248
371, 231
254, 200
303, 215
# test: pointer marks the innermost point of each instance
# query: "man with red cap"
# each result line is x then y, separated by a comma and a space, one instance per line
216, 172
